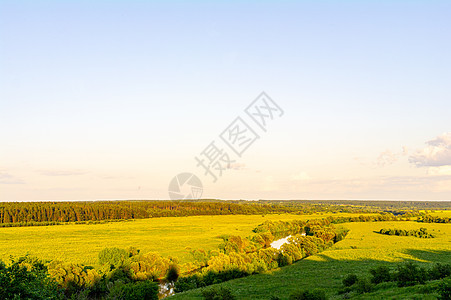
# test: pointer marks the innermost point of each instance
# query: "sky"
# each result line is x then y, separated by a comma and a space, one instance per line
115, 99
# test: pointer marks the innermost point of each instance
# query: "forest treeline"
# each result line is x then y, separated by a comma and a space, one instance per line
28, 213
18, 212
377, 204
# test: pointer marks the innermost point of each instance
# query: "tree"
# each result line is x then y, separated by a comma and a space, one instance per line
27, 278
113, 256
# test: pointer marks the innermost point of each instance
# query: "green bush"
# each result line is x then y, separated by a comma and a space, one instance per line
308, 295
210, 277
147, 290
410, 274
380, 274
363, 285
284, 260
27, 278
439, 271
143, 290
218, 294
187, 283
349, 280
444, 289
118, 274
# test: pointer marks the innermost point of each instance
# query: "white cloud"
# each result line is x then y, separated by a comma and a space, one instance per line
436, 154
386, 158
439, 171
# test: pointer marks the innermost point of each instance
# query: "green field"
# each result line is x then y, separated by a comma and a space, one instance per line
361, 250
167, 236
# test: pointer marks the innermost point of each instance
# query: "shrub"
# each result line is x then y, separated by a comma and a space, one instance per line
350, 279
363, 285
308, 295
218, 294
341, 234
149, 266
187, 283
73, 277
444, 289
118, 274
380, 274
173, 273
439, 271
113, 256
208, 278
284, 260
27, 278
146, 290
410, 274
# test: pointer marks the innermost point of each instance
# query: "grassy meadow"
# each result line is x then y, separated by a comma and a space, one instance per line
168, 236
361, 250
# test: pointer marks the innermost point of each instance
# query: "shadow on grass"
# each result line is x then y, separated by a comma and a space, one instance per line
430, 255
324, 273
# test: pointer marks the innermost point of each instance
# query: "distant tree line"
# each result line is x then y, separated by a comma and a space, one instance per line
29, 212
433, 219
390, 206
52, 213
33, 212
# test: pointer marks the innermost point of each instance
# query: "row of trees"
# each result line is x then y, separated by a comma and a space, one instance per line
393, 206
21, 212
38, 212
433, 219
420, 233
14, 212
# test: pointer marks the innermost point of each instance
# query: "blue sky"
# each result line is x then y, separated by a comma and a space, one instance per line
112, 99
